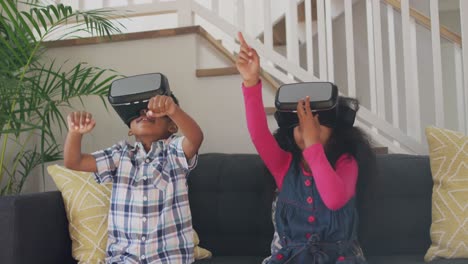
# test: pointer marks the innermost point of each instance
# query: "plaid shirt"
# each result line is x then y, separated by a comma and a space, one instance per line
149, 216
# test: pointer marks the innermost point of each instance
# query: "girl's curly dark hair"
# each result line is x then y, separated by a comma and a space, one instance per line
344, 139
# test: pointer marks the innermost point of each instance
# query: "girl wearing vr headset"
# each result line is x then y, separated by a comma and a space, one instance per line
316, 160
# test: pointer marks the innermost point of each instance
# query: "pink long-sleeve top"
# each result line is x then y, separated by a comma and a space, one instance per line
335, 186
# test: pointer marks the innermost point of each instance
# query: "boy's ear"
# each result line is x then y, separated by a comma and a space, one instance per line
173, 128
130, 133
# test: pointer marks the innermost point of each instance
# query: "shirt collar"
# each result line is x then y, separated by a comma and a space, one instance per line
156, 147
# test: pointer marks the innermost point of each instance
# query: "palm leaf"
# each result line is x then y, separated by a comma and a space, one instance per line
32, 93
29, 160
46, 19
55, 89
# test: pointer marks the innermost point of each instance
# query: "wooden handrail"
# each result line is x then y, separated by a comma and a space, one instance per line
426, 22
123, 37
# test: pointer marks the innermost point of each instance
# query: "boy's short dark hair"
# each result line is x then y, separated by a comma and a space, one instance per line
175, 99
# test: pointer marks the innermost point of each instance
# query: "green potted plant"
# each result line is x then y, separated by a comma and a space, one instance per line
32, 91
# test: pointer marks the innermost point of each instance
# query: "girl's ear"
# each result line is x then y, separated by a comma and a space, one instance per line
130, 133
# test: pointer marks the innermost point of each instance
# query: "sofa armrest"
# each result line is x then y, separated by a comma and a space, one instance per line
34, 229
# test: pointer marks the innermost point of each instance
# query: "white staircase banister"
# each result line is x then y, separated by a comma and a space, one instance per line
350, 64
309, 36
322, 41
459, 86
378, 59
393, 66
384, 126
268, 30
437, 64
426, 21
184, 13
292, 42
329, 38
274, 57
464, 27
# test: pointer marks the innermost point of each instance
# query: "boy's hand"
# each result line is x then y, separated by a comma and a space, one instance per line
309, 124
248, 63
161, 105
80, 122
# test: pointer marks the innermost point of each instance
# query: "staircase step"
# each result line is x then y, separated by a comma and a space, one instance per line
270, 110
270, 80
216, 72
381, 150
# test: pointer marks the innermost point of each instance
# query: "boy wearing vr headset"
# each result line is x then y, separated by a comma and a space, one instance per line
149, 216
316, 157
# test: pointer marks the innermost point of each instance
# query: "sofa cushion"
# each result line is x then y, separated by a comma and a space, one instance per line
231, 260
33, 229
87, 207
230, 199
395, 214
448, 152
410, 259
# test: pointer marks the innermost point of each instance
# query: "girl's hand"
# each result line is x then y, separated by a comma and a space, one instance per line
309, 124
161, 105
80, 122
248, 63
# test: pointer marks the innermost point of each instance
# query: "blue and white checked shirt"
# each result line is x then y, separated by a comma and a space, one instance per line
149, 215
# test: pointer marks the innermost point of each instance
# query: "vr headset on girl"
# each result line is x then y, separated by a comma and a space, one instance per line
324, 101
128, 96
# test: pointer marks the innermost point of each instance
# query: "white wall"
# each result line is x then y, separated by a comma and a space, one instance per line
214, 102
451, 20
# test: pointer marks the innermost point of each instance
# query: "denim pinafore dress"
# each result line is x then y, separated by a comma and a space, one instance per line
309, 232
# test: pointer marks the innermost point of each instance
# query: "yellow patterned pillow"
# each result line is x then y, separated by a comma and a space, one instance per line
199, 252
448, 153
87, 206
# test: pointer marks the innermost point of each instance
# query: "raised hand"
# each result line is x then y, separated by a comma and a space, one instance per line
309, 123
161, 105
248, 63
80, 122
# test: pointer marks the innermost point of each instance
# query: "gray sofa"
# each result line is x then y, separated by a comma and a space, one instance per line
230, 197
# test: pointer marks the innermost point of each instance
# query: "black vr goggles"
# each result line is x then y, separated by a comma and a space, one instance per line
324, 101
128, 96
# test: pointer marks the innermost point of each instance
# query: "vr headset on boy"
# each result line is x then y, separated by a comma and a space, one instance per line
324, 101
128, 96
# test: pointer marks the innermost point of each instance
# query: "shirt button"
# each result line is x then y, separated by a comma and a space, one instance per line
145, 198
143, 238
145, 178
143, 219
311, 219
143, 257
309, 200
307, 183
147, 160
308, 235
279, 256
341, 258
